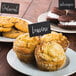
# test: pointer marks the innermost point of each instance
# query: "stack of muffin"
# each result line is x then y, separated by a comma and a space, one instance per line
48, 50
64, 18
12, 27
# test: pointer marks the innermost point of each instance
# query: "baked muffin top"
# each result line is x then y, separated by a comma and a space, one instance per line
57, 37
25, 44
50, 52
50, 56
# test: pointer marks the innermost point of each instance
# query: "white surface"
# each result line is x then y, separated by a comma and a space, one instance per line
73, 23
4, 39
29, 69
43, 17
53, 15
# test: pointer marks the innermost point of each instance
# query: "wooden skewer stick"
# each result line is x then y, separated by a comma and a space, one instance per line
67, 11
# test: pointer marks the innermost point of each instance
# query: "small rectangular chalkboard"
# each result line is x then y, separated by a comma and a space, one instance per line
38, 29
67, 4
10, 8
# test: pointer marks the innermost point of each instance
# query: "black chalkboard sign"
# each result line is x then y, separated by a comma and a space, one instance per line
10, 8
67, 4
38, 29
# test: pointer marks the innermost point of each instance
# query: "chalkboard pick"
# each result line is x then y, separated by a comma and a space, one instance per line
38, 29
10, 8
67, 4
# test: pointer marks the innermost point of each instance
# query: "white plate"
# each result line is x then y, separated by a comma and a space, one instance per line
4, 39
43, 17
30, 69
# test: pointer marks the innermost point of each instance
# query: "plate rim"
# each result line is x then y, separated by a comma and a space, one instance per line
65, 31
11, 38
34, 75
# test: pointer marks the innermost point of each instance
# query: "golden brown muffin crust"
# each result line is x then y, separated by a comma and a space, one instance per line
26, 44
57, 37
50, 56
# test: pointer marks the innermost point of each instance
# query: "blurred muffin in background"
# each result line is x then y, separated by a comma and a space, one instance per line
57, 37
24, 47
50, 56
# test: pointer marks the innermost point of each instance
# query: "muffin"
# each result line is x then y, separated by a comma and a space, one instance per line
57, 37
50, 56
24, 47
